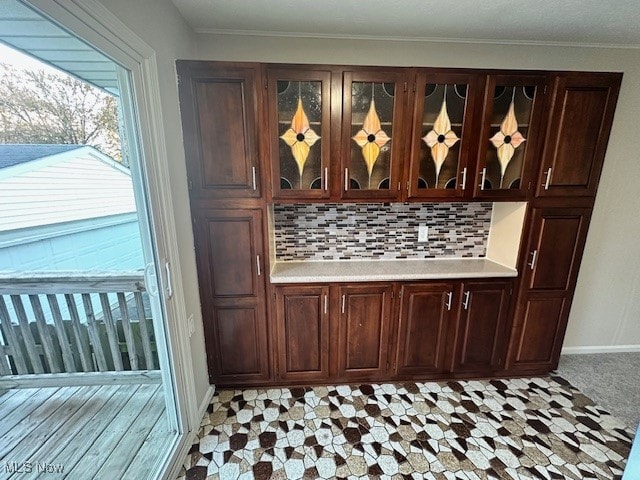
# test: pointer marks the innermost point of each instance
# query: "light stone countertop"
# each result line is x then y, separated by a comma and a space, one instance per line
387, 270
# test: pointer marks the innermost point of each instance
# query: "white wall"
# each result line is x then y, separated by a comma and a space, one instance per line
607, 304
160, 25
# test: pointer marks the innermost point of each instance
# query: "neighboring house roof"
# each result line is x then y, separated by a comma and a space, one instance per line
13, 154
76, 183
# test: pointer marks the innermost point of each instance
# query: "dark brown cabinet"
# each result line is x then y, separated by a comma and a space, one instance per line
299, 109
427, 316
382, 134
232, 292
579, 124
483, 314
302, 319
363, 331
549, 273
510, 135
372, 133
221, 111
443, 141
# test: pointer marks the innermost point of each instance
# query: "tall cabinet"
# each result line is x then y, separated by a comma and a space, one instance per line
258, 133
221, 113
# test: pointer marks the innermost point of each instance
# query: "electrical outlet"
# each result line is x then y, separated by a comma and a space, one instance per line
423, 233
191, 325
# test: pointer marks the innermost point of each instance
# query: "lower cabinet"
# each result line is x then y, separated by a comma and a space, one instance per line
302, 317
427, 322
387, 331
481, 332
549, 273
231, 274
363, 331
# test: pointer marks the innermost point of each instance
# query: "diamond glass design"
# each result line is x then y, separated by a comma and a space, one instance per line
440, 138
507, 139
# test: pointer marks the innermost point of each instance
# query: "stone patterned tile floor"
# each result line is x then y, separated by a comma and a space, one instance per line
532, 428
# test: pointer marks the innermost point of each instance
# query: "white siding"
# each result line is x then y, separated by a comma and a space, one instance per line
74, 189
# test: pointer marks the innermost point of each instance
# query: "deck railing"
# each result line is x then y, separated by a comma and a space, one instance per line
70, 323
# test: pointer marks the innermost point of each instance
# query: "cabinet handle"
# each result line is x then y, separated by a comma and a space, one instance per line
534, 257
483, 178
548, 180
344, 299
464, 178
258, 264
346, 179
326, 179
465, 304
326, 304
253, 177
449, 296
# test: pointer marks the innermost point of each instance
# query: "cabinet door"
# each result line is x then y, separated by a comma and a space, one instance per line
555, 248
372, 133
220, 109
426, 318
483, 312
231, 274
541, 320
443, 135
303, 332
510, 135
300, 132
579, 124
363, 331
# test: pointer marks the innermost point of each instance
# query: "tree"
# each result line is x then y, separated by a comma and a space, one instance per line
41, 107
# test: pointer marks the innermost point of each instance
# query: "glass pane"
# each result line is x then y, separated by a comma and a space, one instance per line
299, 129
511, 114
371, 135
440, 135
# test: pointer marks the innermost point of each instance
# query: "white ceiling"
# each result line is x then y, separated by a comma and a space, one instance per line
584, 22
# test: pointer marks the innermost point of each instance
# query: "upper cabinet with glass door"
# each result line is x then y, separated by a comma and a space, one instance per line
442, 135
299, 132
372, 138
510, 135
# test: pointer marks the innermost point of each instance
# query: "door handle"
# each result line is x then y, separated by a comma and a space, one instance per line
258, 265
326, 179
449, 296
253, 177
326, 302
464, 178
465, 303
346, 179
534, 257
483, 178
344, 299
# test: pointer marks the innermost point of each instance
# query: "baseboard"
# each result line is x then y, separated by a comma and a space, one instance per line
600, 349
202, 408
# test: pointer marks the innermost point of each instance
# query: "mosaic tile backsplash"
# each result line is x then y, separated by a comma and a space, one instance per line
355, 231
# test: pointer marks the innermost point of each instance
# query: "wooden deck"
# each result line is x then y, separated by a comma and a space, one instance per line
108, 431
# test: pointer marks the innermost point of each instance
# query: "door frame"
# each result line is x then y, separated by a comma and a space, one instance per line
90, 21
